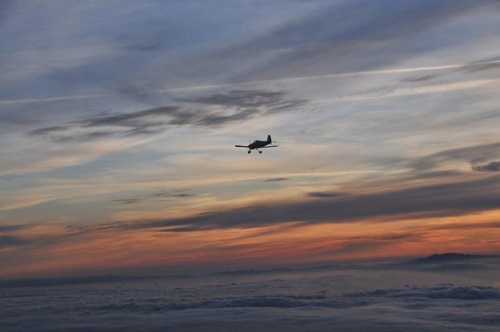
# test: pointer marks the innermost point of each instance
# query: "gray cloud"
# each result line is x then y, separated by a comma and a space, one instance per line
366, 243
241, 98
236, 105
131, 120
210, 111
141, 122
455, 267
441, 291
39, 241
321, 194
242, 104
218, 119
486, 64
472, 154
271, 301
13, 228
356, 247
183, 195
491, 167
75, 230
436, 174
48, 130
127, 201
276, 179
52, 282
419, 78
446, 199
7, 241
174, 194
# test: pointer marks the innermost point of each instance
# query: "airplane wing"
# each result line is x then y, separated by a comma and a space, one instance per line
269, 146
241, 146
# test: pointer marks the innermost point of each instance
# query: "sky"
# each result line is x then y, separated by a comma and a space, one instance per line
118, 121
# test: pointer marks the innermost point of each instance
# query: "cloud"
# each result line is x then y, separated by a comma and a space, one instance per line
48, 130
241, 104
52, 282
451, 262
444, 199
321, 194
145, 94
174, 194
183, 195
491, 167
203, 111
472, 154
487, 64
241, 99
338, 37
38, 242
450, 257
419, 78
471, 226
137, 121
294, 302
436, 174
7, 241
343, 37
75, 230
147, 121
398, 91
127, 201
40, 158
21, 203
280, 301
442, 291
13, 228
455, 267
276, 179
358, 244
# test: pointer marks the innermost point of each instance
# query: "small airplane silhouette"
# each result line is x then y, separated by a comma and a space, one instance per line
258, 145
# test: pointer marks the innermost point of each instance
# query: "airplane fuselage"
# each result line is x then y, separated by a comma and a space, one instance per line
258, 144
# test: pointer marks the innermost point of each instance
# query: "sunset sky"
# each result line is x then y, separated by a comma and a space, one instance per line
118, 121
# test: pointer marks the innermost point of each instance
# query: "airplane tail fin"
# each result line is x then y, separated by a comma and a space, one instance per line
269, 139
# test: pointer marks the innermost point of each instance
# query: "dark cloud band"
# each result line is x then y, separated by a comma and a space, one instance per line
204, 111
445, 199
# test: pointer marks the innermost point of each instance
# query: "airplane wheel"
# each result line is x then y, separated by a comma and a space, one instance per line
249, 152
260, 151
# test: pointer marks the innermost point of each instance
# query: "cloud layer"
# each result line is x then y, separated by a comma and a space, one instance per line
285, 300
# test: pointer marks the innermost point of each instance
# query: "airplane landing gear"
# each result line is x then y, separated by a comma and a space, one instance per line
249, 151
260, 151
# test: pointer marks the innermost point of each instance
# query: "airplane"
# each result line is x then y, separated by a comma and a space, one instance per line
258, 145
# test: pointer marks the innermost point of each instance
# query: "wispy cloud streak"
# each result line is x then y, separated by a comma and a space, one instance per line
261, 82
